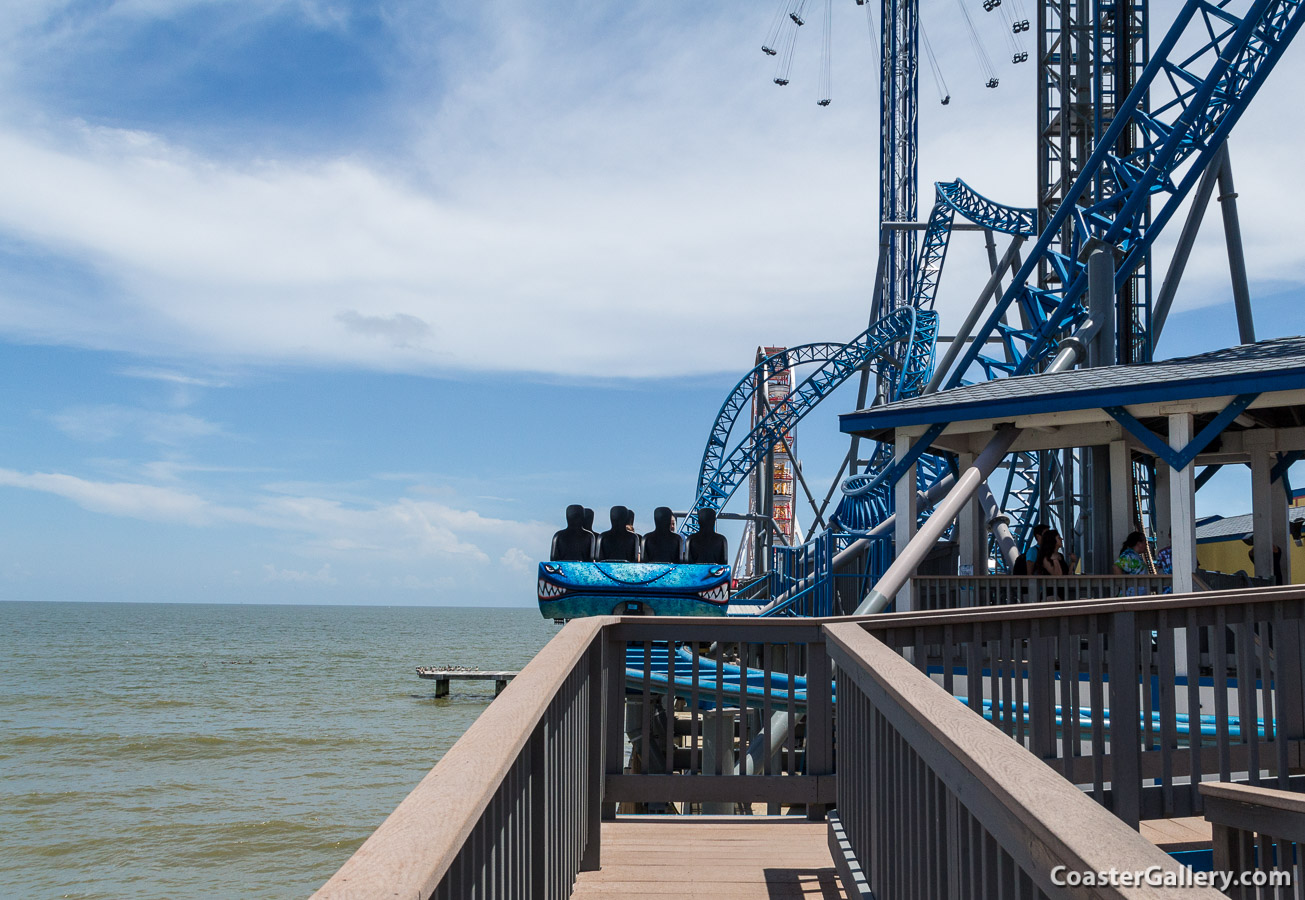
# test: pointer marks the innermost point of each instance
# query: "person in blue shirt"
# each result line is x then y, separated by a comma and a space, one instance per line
1025, 562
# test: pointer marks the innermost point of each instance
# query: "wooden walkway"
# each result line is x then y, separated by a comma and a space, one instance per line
1172, 835
738, 857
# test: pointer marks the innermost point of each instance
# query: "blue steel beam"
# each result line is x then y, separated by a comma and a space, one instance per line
1211, 89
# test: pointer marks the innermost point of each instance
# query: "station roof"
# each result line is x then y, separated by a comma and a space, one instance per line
1234, 528
1261, 367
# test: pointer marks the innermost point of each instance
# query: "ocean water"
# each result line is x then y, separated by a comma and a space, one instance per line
178, 750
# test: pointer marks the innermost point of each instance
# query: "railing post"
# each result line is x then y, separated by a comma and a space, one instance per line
1125, 740
820, 719
1042, 725
591, 857
539, 801
613, 720
1290, 693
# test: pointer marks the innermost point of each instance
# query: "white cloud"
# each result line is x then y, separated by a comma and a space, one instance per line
169, 376
396, 530
651, 206
518, 560
104, 423
136, 501
322, 576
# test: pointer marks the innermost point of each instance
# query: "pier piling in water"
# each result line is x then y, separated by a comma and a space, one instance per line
442, 675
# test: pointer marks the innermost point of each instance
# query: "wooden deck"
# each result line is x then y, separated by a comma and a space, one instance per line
740, 857
1172, 835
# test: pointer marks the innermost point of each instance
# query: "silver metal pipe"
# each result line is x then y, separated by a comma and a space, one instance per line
998, 525
909, 557
1186, 240
1101, 294
765, 745
974, 480
1232, 233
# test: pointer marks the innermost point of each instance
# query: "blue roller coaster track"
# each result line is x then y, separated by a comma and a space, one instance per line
1106, 206
1211, 88
901, 344
955, 197
989, 213
958, 198
738, 399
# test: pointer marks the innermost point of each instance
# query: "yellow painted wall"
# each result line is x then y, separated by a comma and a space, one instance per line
1230, 556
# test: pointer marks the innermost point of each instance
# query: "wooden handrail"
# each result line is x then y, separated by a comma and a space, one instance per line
1056, 823
1078, 577
415, 845
1024, 612
1256, 809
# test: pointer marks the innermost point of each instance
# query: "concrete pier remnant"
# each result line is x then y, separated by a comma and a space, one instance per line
442, 675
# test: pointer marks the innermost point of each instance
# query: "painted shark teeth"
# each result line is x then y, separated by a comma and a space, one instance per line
718, 594
550, 591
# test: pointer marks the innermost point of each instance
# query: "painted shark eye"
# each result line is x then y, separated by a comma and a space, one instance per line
550, 568
716, 571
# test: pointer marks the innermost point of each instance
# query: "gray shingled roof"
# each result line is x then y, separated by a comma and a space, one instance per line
1268, 365
1235, 527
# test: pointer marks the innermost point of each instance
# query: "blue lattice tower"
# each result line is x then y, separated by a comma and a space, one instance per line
899, 176
1121, 50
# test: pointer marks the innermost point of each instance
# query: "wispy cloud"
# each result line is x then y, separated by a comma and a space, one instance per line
104, 423
136, 501
651, 207
322, 576
395, 530
170, 376
517, 559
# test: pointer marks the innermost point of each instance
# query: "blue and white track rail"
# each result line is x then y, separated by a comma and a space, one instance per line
738, 687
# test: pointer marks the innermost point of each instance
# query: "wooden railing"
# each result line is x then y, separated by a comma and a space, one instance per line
512, 809
1136, 699
1258, 834
1105, 695
934, 802
694, 740
964, 591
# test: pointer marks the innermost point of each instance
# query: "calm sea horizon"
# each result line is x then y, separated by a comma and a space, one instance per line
179, 750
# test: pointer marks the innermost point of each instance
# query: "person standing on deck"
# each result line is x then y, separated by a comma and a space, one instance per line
1131, 561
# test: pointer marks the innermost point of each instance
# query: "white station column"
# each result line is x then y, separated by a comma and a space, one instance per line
1262, 511
1182, 506
1164, 533
1281, 535
1121, 494
906, 508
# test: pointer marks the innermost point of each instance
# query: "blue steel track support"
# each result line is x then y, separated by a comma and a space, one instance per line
1210, 89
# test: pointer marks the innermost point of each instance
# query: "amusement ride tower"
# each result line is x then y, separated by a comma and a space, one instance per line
1122, 127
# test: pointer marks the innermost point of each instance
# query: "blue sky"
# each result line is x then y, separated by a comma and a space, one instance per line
343, 303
